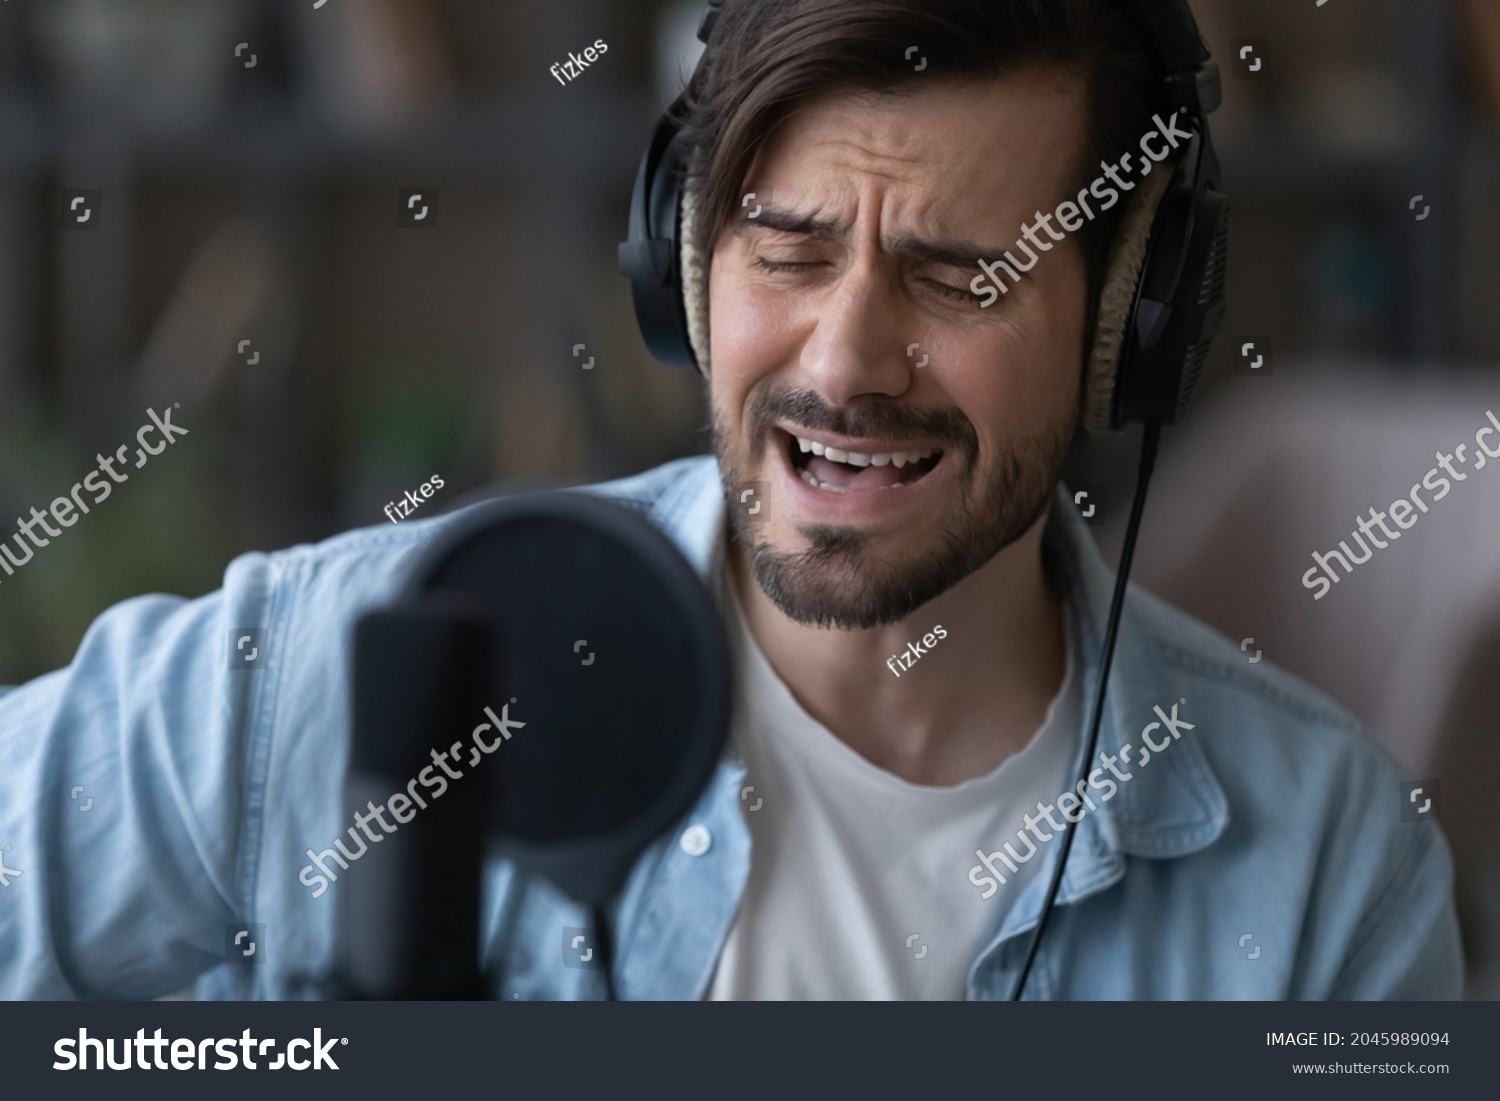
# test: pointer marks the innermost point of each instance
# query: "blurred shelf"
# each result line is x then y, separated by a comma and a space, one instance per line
513, 137
1273, 160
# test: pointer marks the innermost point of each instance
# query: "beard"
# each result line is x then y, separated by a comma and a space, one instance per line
841, 580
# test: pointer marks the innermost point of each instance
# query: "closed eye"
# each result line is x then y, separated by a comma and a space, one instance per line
958, 294
784, 265
948, 291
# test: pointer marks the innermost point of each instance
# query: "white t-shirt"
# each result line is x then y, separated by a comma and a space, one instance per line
859, 882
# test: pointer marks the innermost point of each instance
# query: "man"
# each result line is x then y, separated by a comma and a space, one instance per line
915, 613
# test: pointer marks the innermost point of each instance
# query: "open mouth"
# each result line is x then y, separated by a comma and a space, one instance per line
839, 471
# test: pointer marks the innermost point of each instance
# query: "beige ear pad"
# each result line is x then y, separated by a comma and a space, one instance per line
1117, 293
694, 281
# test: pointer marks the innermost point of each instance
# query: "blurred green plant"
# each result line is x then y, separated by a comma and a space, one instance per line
399, 425
170, 528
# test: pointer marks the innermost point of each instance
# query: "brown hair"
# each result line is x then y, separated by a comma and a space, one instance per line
766, 57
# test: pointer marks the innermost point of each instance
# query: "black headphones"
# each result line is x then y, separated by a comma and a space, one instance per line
1179, 294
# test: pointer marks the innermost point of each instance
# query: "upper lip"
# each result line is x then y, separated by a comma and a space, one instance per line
865, 446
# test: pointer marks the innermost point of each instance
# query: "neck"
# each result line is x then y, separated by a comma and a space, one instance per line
948, 709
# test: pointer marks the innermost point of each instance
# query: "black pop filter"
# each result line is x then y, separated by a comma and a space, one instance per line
609, 648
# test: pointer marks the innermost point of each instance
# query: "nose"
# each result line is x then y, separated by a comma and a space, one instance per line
858, 345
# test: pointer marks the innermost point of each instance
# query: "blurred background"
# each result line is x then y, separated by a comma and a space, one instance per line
245, 262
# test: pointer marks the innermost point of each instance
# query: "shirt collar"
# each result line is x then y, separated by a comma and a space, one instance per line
1175, 805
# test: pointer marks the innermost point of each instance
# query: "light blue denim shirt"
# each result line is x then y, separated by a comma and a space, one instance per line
1262, 854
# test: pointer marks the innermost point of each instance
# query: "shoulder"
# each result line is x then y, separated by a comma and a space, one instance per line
1262, 697
1253, 708
1291, 761
1323, 837
681, 497
370, 563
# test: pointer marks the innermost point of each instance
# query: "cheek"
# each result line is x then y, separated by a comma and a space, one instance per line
749, 339
1048, 345
1049, 382
1027, 373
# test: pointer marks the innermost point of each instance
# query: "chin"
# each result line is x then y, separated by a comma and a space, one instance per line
849, 578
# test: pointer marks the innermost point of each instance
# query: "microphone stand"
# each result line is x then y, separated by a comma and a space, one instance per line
410, 913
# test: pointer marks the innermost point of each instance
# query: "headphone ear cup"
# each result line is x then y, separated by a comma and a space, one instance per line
650, 257
1159, 366
694, 283
1117, 295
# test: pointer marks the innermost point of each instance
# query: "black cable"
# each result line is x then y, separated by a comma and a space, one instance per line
603, 951
1116, 605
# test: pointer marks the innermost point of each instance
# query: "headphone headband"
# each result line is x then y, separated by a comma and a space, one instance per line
710, 17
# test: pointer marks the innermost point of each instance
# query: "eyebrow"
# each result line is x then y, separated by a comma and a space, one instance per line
958, 254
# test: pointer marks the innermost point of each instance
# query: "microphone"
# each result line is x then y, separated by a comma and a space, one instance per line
559, 653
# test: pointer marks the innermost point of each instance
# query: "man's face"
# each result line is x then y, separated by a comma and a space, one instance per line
879, 209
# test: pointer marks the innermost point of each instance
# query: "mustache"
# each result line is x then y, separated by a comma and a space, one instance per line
879, 420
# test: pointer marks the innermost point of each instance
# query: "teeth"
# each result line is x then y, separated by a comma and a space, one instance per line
810, 480
855, 458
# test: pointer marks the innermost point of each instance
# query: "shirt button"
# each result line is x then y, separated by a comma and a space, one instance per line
696, 840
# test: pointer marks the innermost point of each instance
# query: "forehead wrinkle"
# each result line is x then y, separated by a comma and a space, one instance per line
854, 175
852, 158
